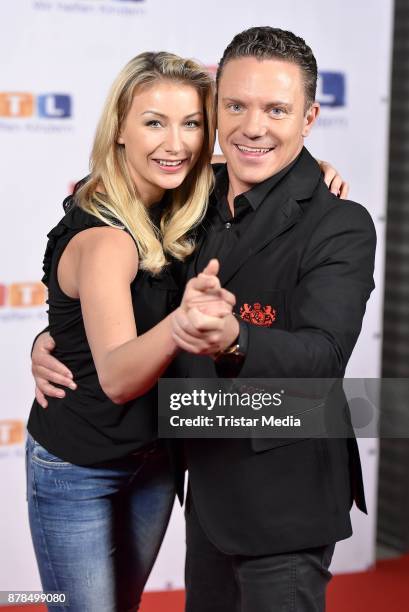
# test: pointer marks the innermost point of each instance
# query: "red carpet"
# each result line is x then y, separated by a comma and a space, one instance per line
383, 589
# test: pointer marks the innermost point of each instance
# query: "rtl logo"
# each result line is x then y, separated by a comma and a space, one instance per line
22, 295
331, 89
11, 432
46, 106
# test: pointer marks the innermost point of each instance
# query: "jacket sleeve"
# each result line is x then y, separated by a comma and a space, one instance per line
326, 308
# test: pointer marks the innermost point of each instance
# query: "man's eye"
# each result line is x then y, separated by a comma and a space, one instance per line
236, 108
154, 123
277, 112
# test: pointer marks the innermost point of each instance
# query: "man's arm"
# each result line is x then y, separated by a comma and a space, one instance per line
46, 370
325, 309
327, 306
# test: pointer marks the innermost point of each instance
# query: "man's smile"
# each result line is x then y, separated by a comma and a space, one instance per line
247, 151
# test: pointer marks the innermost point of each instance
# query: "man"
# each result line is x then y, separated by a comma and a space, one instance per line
263, 515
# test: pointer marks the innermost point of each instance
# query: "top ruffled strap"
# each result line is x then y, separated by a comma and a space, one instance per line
74, 220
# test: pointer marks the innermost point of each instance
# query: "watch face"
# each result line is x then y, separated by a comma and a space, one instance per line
230, 354
232, 350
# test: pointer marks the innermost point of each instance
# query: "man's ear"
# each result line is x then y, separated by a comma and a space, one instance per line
310, 118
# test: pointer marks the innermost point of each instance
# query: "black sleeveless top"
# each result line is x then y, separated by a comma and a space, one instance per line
86, 427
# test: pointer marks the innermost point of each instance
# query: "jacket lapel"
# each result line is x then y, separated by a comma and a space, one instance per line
267, 225
277, 213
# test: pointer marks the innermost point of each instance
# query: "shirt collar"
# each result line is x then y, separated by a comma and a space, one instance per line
257, 194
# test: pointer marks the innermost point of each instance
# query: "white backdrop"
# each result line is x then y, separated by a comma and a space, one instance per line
58, 60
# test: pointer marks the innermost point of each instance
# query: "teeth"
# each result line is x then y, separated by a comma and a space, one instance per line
252, 150
164, 162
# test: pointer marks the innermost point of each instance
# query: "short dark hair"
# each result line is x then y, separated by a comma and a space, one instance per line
272, 43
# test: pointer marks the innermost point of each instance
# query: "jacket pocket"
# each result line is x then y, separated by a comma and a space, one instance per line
262, 308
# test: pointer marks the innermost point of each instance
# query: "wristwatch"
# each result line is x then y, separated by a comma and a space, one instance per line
236, 351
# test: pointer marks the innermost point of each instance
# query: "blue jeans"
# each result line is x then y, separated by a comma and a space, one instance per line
97, 530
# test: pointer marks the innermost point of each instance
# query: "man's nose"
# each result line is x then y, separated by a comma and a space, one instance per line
254, 125
173, 142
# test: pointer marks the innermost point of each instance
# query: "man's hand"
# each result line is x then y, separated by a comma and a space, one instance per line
204, 323
333, 180
47, 369
204, 291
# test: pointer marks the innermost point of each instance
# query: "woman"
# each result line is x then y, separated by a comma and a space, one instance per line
100, 489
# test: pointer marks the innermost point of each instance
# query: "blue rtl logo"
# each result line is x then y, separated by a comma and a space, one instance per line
331, 89
54, 106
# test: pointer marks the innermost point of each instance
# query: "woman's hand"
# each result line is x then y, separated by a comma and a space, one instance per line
201, 334
46, 370
334, 180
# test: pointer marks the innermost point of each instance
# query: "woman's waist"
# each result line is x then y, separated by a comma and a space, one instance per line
86, 432
89, 399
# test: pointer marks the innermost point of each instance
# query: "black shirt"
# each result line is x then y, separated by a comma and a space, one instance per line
86, 427
222, 230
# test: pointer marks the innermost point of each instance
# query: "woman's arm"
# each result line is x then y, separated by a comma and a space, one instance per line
203, 293
98, 267
332, 178
218, 159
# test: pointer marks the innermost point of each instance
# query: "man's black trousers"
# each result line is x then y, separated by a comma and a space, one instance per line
285, 582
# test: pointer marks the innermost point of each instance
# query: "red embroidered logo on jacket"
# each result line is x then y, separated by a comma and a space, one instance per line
264, 316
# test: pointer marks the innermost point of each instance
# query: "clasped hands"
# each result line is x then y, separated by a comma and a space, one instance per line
204, 323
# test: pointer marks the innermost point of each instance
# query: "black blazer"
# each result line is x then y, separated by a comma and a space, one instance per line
310, 257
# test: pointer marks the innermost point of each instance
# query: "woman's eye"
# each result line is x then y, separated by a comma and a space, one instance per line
192, 124
154, 123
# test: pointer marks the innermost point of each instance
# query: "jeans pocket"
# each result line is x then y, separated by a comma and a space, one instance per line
41, 456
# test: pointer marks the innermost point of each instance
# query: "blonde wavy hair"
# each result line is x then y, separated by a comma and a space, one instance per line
120, 202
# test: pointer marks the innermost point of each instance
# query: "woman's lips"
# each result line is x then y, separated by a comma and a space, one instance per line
170, 165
